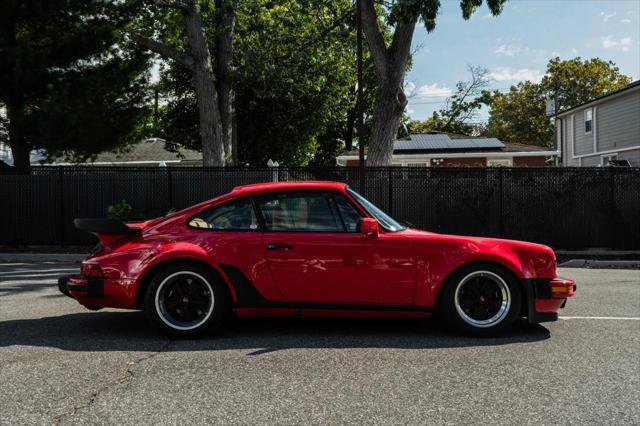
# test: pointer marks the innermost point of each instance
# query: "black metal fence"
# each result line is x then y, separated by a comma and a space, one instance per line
562, 207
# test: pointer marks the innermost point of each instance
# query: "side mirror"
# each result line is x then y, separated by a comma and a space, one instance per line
368, 226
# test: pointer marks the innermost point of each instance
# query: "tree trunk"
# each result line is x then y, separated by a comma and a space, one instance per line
225, 26
211, 128
20, 149
390, 103
348, 131
390, 64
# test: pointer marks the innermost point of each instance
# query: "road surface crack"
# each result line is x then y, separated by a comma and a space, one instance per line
124, 378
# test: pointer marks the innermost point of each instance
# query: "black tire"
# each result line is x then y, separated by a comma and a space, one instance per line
489, 299
186, 300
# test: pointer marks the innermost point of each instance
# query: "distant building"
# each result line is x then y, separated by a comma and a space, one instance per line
151, 152
604, 131
440, 149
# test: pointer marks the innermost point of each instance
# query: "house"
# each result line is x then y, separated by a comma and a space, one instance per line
604, 131
150, 152
441, 149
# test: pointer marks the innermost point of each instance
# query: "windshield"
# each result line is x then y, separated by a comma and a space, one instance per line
384, 219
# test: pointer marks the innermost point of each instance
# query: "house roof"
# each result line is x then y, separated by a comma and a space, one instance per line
153, 150
629, 86
150, 150
432, 142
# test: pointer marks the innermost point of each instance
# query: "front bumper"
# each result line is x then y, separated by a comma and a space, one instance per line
77, 286
545, 296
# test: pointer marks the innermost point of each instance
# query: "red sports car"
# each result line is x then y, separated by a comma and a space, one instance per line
310, 249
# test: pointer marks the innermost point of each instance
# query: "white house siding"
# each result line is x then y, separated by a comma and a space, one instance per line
616, 129
633, 156
619, 122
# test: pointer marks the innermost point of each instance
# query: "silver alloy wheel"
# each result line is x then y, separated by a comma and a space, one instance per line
165, 315
487, 299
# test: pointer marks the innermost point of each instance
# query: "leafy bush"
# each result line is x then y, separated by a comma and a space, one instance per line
121, 210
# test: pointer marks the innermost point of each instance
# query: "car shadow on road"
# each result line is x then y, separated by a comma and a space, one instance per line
129, 331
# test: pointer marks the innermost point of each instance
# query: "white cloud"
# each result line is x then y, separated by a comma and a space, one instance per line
625, 21
610, 42
507, 50
512, 74
574, 51
433, 90
606, 16
511, 50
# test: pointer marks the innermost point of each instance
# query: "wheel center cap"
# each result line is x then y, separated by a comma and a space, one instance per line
482, 299
185, 300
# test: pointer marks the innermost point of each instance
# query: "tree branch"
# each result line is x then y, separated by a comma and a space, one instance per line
401, 44
377, 47
162, 49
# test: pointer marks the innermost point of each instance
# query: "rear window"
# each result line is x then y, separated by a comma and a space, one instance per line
234, 216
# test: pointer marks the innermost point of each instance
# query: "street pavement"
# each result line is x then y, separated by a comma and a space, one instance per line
60, 364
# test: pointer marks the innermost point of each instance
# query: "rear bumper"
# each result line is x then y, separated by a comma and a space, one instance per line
546, 296
76, 286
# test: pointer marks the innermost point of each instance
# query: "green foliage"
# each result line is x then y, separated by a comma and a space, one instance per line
294, 87
121, 210
70, 82
519, 115
427, 10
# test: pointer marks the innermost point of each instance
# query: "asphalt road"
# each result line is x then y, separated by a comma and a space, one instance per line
60, 363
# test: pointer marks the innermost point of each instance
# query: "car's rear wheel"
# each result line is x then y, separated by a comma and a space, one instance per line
481, 299
186, 300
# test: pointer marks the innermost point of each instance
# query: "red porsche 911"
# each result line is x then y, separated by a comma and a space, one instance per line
310, 249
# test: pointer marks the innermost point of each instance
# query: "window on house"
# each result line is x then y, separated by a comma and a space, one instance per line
588, 120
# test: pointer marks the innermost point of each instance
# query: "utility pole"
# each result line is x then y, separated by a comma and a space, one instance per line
359, 109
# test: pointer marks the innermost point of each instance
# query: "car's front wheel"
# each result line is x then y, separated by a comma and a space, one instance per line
481, 299
186, 300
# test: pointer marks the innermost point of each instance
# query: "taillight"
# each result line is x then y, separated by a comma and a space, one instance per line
562, 288
91, 270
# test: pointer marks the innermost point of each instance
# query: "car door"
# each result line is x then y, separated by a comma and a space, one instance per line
317, 255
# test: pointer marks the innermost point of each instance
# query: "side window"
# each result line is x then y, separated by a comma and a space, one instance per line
350, 216
238, 216
310, 212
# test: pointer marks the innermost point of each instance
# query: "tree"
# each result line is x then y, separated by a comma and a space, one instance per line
294, 76
520, 115
70, 82
459, 109
391, 63
213, 86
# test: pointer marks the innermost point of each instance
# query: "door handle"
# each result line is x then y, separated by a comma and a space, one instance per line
279, 246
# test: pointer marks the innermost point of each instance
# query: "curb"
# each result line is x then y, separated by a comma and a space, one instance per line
42, 257
601, 264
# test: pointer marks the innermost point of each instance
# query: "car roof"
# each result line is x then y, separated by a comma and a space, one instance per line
257, 188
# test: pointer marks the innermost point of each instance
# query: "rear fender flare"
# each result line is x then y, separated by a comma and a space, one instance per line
177, 252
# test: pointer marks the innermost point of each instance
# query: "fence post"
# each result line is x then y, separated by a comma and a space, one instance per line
612, 202
61, 192
390, 185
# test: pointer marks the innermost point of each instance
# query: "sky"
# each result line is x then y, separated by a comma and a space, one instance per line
517, 45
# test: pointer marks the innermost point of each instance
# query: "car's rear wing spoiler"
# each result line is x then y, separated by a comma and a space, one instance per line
104, 226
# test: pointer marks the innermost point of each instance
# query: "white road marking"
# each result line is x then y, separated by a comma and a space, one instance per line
603, 318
